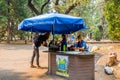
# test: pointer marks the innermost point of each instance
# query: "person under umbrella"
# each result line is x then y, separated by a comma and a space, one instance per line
64, 43
37, 42
81, 44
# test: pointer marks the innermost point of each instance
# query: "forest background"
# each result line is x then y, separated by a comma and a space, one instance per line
102, 17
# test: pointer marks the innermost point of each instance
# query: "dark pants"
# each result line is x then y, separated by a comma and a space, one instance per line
35, 53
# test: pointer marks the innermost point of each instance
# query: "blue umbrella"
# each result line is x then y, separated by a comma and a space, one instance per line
53, 22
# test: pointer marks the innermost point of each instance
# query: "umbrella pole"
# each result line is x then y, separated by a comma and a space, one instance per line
53, 33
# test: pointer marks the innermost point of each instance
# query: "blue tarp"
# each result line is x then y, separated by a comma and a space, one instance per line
58, 23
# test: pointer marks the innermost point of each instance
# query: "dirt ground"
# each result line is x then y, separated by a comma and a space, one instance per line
15, 59
105, 51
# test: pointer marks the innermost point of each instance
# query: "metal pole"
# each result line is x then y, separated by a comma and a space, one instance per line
53, 32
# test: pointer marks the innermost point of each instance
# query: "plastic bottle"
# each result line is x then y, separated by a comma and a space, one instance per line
64, 47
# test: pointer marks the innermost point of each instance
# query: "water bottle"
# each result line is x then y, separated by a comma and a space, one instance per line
64, 47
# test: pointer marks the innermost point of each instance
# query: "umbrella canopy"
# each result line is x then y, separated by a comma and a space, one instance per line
53, 22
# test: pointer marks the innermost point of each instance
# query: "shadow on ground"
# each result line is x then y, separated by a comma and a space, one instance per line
97, 56
11, 75
51, 77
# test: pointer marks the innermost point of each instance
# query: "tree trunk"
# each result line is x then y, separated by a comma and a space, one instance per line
102, 23
8, 24
12, 30
8, 31
31, 36
90, 35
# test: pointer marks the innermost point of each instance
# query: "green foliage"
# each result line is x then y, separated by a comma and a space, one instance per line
90, 10
66, 4
16, 11
3, 20
3, 8
112, 15
3, 13
92, 14
96, 34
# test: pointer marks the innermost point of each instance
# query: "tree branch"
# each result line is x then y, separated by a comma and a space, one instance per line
42, 7
31, 6
106, 0
70, 8
56, 2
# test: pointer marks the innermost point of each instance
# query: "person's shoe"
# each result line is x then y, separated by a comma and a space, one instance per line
39, 67
32, 66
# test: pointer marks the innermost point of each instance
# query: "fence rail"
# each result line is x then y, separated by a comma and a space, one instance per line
101, 42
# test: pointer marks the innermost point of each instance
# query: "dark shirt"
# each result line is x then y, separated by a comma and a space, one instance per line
63, 43
38, 40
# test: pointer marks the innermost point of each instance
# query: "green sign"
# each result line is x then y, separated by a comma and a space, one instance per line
62, 65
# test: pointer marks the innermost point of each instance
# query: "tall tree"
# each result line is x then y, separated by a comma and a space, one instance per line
8, 23
13, 14
112, 15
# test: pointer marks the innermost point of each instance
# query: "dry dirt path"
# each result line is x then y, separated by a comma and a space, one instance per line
15, 59
14, 64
